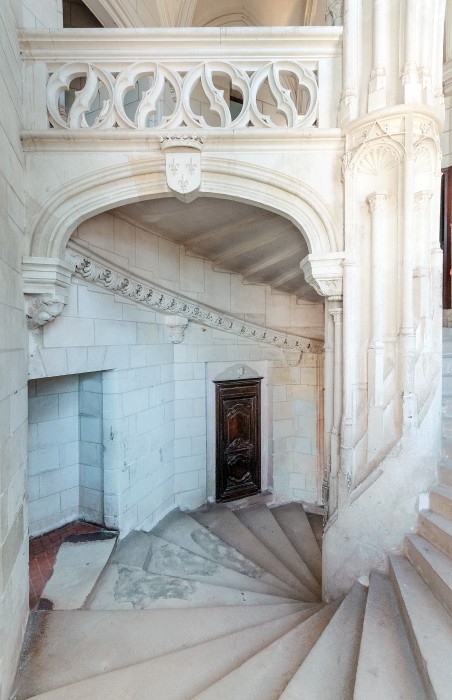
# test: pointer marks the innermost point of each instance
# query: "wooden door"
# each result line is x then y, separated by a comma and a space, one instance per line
238, 438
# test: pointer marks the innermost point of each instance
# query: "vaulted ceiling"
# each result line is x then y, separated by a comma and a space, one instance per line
202, 13
262, 246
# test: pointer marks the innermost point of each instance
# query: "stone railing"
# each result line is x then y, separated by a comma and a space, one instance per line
195, 79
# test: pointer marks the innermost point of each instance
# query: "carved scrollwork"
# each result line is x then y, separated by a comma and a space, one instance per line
164, 301
153, 95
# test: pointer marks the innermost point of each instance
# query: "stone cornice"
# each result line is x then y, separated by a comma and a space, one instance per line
217, 140
118, 281
181, 44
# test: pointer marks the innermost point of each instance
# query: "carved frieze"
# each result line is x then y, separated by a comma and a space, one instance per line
43, 309
167, 302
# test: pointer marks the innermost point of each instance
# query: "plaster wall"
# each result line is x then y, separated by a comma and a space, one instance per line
13, 363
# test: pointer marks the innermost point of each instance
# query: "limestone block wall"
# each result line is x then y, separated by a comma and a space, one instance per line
13, 365
154, 421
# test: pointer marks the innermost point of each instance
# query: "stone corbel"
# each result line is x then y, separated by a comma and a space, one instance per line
324, 273
177, 325
45, 284
292, 357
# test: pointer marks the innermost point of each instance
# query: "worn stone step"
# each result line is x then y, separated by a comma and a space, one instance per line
447, 363
179, 528
126, 587
436, 529
265, 675
295, 524
260, 521
434, 566
447, 345
224, 524
180, 674
447, 382
446, 427
386, 666
167, 558
106, 640
445, 474
428, 624
441, 500
329, 670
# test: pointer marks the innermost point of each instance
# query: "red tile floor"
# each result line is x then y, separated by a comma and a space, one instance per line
43, 552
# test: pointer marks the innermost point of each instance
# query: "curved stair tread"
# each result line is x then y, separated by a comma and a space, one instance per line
386, 666
180, 529
133, 549
329, 670
441, 500
55, 658
434, 566
445, 474
265, 675
436, 529
260, 521
294, 522
171, 560
126, 587
225, 525
182, 674
428, 624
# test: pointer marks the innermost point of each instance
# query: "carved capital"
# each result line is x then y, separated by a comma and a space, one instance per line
43, 309
421, 199
324, 273
376, 201
177, 325
337, 315
50, 276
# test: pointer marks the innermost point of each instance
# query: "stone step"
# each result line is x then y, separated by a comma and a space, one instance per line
265, 675
447, 382
126, 587
428, 624
447, 345
77, 569
295, 524
225, 525
106, 640
447, 363
171, 560
260, 521
386, 666
436, 529
181, 674
329, 670
445, 474
179, 528
434, 566
441, 501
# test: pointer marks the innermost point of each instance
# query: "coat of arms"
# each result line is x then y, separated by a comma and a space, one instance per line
183, 165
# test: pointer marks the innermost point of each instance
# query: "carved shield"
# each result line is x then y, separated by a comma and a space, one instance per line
183, 171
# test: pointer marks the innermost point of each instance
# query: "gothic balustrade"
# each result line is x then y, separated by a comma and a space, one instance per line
214, 79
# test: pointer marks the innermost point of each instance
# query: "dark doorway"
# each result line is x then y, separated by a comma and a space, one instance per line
238, 438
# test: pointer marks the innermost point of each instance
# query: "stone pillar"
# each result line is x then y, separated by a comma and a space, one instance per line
377, 82
350, 62
336, 313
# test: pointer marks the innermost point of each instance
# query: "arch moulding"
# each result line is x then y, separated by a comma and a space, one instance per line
72, 203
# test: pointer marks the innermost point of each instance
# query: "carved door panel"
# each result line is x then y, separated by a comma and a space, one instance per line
238, 439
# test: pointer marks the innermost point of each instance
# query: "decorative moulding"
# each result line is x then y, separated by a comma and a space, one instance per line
49, 276
324, 273
177, 325
103, 274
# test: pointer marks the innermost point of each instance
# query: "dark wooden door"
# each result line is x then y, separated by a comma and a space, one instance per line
238, 439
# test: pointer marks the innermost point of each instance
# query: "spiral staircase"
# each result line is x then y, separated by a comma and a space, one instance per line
225, 604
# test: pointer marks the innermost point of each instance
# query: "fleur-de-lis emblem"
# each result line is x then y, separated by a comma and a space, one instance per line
183, 183
174, 167
191, 167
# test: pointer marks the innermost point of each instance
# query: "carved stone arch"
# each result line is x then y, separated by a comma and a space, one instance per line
74, 202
